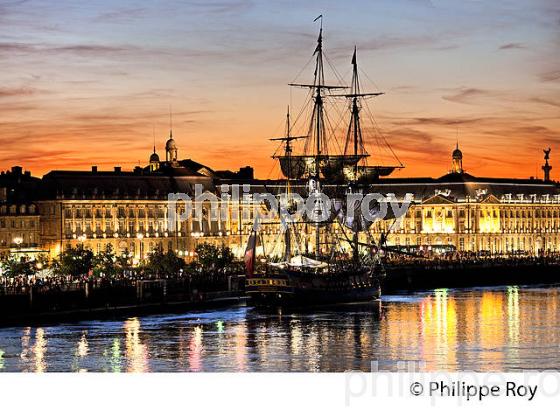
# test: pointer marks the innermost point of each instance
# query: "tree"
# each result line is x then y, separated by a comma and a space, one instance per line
214, 259
74, 261
160, 263
15, 266
124, 262
104, 263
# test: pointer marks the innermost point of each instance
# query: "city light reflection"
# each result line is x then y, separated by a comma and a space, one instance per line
195, 350
136, 351
444, 330
82, 348
39, 351
240, 333
116, 356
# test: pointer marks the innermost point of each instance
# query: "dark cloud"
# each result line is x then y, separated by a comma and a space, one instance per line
550, 76
468, 95
412, 142
80, 49
121, 15
440, 43
220, 7
35, 157
111, 117
232, 152
19, 107
519, 133
395, 42
16, 47
8, 49
6, 92
91, 49
546, 101
437, 121
511, 46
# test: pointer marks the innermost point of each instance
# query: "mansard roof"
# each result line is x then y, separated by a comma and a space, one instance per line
118, 185
459, 186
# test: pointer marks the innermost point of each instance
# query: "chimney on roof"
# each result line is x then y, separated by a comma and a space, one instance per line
246, 172
117, 170
94, 169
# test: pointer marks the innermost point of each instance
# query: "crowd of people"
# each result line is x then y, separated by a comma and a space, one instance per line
23, 283
464, 259
76, 268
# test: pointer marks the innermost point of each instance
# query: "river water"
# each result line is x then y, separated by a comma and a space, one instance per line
485, 329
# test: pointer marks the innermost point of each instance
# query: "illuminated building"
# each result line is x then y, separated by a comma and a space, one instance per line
468, 213
128, 210
19, 215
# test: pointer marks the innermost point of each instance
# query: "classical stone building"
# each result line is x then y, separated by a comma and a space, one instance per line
468, 213
129, 210
19, 214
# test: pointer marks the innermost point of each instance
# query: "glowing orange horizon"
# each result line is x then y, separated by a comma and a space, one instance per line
85, 86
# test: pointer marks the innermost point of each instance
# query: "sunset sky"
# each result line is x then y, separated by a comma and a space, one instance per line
85, 83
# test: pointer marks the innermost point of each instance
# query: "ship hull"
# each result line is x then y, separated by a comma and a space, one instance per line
292, 289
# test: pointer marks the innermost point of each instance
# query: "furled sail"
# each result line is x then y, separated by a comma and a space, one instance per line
300, 261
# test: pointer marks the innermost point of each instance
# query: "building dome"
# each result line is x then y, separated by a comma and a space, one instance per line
170, 144
154, 157
457, 154
170, 149
457, 161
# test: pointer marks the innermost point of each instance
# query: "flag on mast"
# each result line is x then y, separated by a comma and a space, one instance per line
320, 39
251, 250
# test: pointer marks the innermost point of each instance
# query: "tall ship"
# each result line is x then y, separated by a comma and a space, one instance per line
328, 253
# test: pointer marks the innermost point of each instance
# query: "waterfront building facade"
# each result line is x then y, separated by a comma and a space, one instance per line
459, 211
129, 211
19, 214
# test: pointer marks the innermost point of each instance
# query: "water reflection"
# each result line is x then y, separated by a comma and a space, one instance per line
116, 356
39, 351
195, 350
505, 329
136, 352
240, 347
80, 353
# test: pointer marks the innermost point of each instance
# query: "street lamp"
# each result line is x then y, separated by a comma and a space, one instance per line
18, 240
140, 236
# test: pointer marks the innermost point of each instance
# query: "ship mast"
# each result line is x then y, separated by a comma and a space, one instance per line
319, 81
354, 135
288, 153
317, 125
